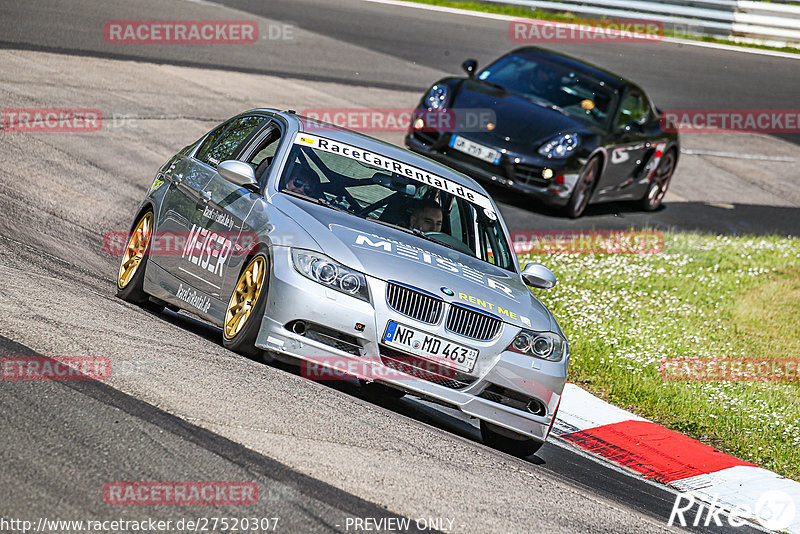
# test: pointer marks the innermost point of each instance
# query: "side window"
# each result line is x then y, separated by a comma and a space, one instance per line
267, 147
212, 138
229, 142
264, 153
633, 109
495, 245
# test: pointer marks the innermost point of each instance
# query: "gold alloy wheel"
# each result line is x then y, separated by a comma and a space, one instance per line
244, 297
134, 251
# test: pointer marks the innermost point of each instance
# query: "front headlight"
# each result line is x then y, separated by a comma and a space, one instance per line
544, 345
330, 273
437, 97
560, 147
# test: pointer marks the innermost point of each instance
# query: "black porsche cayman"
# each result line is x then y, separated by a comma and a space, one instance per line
561, 130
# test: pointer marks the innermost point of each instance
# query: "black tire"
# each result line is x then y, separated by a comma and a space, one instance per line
243, 339
583, 189
502, 440
130, 284
659, 183
381, 391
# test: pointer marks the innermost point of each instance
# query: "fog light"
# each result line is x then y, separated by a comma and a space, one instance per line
547, 173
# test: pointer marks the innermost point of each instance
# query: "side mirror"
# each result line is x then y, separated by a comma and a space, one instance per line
470, 66
539, 276
239, 173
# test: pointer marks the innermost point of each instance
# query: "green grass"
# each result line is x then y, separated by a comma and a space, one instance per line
703, 296
522, 12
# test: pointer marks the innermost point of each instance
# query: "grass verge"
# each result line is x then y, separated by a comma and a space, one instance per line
701, 297
523, 12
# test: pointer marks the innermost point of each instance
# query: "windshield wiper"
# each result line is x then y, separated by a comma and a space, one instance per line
497, 85
417, 232
328, 204
545, 104
321, 201
390, 225
423, 235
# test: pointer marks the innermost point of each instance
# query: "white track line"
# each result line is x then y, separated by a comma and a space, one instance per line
760, 157
580, 410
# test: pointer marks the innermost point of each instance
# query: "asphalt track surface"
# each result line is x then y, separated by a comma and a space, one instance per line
187, 409
374, 45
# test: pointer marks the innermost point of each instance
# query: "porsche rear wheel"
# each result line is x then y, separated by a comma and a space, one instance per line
583, 189
246, 308
659, 183
130, 278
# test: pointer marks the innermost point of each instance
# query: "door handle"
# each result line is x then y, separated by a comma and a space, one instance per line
206, 196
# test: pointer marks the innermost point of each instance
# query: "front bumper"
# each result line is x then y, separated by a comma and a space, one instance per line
495, 391
519, 172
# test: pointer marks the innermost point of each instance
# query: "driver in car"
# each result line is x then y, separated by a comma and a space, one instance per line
545, 83
304, 182
427, 216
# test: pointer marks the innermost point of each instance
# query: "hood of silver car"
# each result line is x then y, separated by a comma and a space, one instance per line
394, 255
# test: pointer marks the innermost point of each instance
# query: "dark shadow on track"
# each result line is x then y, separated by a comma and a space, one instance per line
92, 418
522, 213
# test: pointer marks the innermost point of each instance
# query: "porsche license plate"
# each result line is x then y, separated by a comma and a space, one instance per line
475, 150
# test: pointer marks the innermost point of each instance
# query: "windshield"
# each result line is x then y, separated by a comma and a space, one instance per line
389, 192
550, 84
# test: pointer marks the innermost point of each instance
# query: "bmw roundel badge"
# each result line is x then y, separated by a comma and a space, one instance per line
447, 291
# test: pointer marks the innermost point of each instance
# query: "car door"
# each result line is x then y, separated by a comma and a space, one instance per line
212, 232
628, 144
181, 204
229, 207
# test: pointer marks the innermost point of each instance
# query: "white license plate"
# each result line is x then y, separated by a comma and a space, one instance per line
475, 150
429, 347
